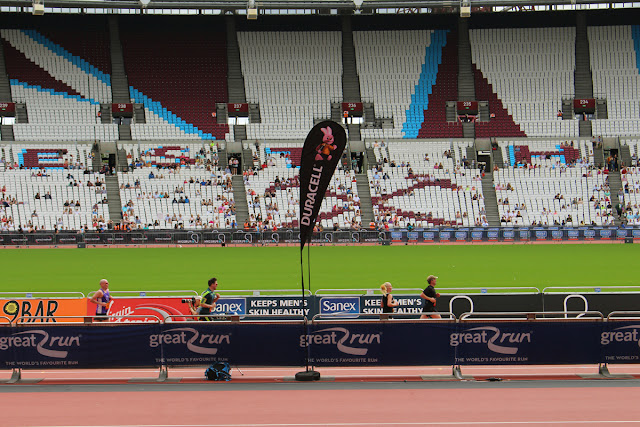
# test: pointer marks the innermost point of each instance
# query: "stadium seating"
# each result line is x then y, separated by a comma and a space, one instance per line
169, 154
530, 70
631, 195
161, 202
445, 89
62, 91
614, 53
397, 71
273, 193
411, 188
31, 211
547, 192
179, 77
294, 76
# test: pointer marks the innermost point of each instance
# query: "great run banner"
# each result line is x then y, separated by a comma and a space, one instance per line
327, 343
49, 346
321, 153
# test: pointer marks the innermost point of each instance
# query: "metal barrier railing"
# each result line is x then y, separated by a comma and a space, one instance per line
102, 320
25, 295
529, 316
131, 294
264, 292
363, 291
490, 289
624, 315
253, 318
445, 316
590, 289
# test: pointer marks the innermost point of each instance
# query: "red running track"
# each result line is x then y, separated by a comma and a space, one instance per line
502, 406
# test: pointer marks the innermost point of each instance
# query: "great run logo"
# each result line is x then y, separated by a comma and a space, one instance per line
49, 346
621, 334
345, 341
494, 339
194, 340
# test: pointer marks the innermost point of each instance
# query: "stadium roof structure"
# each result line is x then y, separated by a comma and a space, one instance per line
293, 7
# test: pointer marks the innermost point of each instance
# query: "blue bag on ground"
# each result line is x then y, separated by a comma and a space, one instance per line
219, 371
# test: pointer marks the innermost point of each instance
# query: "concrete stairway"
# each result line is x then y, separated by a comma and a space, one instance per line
469, 130
466, 86
583, 80
119, 80
497, 158
370, 158
366, 208
490, 200
105, 114
7, 133
235, 80
113, 197
350, 79
584, 128
598, 157
240, 200
353, 132
124, 132
625, 155
615, 184
5, 86
239, 132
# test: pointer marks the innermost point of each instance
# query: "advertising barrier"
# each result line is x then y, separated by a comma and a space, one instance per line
620, 342
379, 343
531, 343
266, 344
14, 308
327, 343
178, 308
291, 307
67, 346
245, 237
153, 307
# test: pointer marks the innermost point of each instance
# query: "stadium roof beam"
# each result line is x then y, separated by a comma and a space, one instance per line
345, 5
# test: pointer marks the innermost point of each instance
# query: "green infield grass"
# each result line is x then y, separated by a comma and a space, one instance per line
332, 267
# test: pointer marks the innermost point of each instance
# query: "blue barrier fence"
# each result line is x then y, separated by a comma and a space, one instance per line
327, 343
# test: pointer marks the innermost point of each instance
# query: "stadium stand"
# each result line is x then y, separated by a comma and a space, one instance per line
48, 187
273, 192
398, 71
614, 55
294, 76
553, 185
171, 154
530, 69
179, 76
631, 195
175, 186
435, 123
62, 91
182, 198
421, 185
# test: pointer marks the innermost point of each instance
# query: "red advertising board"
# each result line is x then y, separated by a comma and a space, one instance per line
467, 107
7, 109
238, 110
353, 109
584, 105
146, 309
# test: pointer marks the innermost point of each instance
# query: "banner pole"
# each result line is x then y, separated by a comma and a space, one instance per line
308, 374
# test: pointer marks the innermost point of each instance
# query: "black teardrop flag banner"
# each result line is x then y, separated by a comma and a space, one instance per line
320, 155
